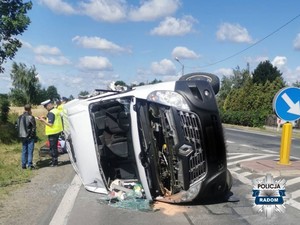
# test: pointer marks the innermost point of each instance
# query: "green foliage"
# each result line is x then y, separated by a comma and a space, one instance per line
52, 93
41, 96
155, 81
121, 83
265, 71
248, 103
17, 97
10, 135
237, 80
4, 109
296, 84
244, 118
83, 93
13, 22
26, 84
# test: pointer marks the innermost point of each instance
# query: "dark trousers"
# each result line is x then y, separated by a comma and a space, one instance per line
53, 139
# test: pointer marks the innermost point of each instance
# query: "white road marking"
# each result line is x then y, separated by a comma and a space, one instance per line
295, 194
247, 146
248, 159
245, 174
239, 156
269, 151
243, 179
294, 203
234, 169
65, 207
293, 181
230, 142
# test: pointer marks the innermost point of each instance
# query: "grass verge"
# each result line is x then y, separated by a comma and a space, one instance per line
11, 174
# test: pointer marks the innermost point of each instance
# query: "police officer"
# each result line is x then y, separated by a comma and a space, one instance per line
53, 128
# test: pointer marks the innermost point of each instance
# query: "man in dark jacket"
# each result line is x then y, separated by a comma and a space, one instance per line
27, 133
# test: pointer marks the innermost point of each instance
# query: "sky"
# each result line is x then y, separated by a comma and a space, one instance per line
87, 44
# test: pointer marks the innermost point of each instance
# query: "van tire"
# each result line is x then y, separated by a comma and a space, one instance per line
211, 78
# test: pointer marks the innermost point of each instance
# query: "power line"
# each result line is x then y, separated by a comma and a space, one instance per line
256, 43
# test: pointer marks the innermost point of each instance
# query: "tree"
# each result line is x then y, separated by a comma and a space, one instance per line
120, 82
265, 71
155, 81
83, 93
296, 84
52, 93
235, 81
13, 22
26, 84
4, 108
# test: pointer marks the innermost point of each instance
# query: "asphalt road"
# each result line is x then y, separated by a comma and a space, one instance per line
261, 140
57, 196
90, 209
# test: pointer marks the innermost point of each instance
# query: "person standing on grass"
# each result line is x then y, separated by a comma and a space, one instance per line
53, 128
27, 133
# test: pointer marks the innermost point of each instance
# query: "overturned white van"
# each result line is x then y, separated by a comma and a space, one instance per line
167, 137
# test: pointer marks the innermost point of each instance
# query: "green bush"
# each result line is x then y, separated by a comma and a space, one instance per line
10, 135
4, 110
244, 118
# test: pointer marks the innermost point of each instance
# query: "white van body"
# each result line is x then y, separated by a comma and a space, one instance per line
167, 137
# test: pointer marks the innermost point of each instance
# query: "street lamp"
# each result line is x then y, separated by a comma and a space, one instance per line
182, 66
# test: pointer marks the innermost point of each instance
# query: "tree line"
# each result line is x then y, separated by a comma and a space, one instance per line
247, 99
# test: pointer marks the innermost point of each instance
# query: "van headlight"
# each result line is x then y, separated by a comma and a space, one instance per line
170, 98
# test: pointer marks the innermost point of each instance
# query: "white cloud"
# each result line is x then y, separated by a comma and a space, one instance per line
297, 42
94, 63
46, 50
174, 27
164, 67
98, 43
153, 9
116, 10
233, 33
184, 53
279, 61
58, 6
172, 77
224, 72
76, 80
26, 44
104, 10
58, 61
254, 61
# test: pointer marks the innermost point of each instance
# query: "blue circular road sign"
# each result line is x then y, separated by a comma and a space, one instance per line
286, 104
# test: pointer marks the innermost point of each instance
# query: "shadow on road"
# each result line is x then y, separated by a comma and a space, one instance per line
46, 162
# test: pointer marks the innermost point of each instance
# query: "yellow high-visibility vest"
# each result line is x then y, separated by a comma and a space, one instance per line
57, 126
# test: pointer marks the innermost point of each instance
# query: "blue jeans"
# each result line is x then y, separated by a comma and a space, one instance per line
27, 152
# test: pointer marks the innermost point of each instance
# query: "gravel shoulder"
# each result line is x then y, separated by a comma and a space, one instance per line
36, 202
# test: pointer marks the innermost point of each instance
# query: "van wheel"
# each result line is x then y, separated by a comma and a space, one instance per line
211, 78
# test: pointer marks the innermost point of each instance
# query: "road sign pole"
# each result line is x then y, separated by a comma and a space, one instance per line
286, 140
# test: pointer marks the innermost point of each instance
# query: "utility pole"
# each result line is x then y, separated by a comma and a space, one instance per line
182, 66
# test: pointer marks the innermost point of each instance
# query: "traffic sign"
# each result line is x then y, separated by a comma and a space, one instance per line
286, 104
